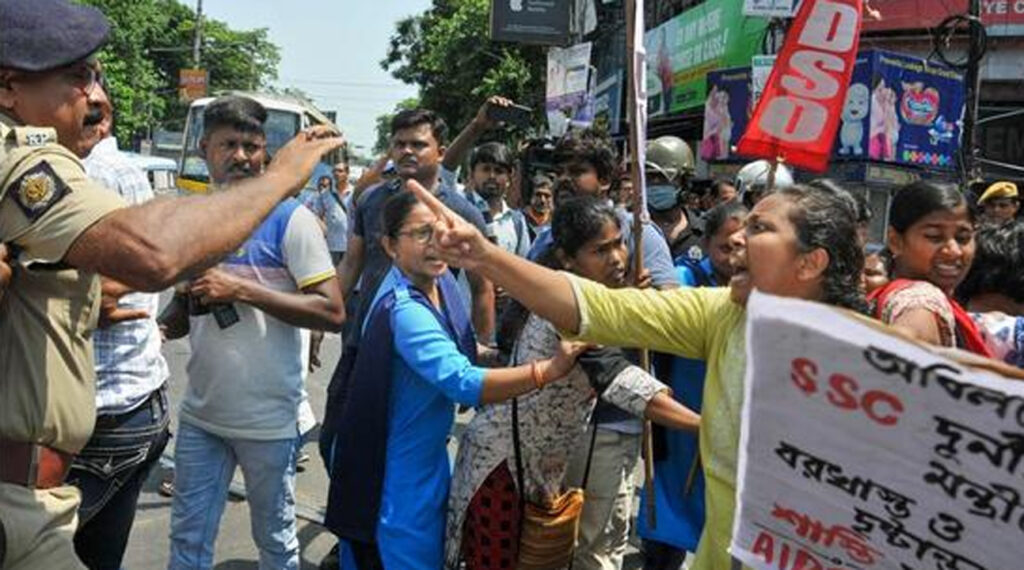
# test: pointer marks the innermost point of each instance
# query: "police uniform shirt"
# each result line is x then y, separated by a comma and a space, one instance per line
49, 310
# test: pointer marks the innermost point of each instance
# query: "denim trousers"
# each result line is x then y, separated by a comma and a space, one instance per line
109, 472
204, 465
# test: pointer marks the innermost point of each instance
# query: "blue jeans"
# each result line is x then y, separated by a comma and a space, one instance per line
109, 472
203, 467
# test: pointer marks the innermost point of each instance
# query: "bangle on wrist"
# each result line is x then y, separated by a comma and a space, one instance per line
538, 381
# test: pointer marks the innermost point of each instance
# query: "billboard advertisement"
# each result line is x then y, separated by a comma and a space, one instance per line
681, 52
902, 110
726, 112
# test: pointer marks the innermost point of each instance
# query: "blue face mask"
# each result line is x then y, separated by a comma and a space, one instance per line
661, 197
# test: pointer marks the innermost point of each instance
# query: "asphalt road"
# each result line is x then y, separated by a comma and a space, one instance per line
149, 543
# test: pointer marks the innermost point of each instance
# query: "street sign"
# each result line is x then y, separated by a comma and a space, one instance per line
192, 84
544, 22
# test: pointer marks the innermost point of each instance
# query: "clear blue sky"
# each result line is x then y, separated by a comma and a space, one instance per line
330, 49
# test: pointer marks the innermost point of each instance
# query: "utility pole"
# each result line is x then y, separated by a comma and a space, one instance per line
197, 37
972, 79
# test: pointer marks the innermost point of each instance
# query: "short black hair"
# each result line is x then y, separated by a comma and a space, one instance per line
412, 118
234, 112
592, 146
717, 216
396, 209
914, 201
578, 220
492, 153
998, 260
718, 184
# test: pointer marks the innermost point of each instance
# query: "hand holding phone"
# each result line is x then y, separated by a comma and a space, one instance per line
512, 114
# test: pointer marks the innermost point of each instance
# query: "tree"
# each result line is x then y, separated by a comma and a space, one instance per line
384, 124
151, 40
447, 53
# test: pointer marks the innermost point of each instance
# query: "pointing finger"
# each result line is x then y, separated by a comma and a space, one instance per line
431, 201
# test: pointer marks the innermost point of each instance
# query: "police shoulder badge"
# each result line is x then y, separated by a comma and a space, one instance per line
37, 190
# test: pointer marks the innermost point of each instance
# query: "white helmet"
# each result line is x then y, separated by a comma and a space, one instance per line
752, 180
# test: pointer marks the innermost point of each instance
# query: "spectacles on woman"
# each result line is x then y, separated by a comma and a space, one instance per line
421, 235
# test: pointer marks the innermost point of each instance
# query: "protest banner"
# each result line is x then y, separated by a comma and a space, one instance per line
862, 450
798, 114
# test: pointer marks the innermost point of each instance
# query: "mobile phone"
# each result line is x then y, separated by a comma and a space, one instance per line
512, 114
389, 169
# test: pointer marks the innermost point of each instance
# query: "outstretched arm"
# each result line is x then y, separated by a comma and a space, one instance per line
540, 289
150, 246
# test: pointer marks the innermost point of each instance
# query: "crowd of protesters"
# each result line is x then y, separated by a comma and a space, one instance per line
510, 288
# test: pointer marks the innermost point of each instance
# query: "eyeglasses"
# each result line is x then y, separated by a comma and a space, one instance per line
421, 235
84, 77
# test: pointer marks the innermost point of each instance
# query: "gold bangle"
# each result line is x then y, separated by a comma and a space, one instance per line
535, 372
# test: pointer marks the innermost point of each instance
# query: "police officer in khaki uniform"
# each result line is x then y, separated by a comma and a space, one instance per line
62, 230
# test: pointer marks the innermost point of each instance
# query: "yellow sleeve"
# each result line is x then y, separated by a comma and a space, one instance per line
48, 202
677, 321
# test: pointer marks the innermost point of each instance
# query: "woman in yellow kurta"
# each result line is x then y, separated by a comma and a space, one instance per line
799, 242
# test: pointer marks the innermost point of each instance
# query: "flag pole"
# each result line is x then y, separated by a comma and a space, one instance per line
634, 8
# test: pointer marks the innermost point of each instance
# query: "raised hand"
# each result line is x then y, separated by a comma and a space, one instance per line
295, 161
457, 241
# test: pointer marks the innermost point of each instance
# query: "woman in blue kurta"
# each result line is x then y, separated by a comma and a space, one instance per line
390, 469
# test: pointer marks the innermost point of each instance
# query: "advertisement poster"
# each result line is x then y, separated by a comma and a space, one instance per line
760, 70
681, 52
608, 103
726, 112
544, 22
569, 101
916, 112
859, 450
769, 8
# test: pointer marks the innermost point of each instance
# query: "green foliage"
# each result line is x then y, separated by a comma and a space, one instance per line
152, 39
384, 124
447, 52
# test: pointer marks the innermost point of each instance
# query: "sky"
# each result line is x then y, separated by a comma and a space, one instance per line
331, 49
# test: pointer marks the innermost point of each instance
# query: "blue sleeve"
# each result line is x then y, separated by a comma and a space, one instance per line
428, 350
540, 245
658, 258
686, 276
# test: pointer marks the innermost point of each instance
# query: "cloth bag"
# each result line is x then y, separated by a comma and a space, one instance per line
548, 532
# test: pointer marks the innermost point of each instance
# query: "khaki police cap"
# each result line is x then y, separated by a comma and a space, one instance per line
999, 190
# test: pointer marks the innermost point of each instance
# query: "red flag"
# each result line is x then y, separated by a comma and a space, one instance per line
799, 111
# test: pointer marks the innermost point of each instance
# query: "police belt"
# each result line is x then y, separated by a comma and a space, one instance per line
32, 465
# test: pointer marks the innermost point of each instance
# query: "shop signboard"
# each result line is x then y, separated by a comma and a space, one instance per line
681, 52
769, 8
544, 22
726, 112
192, 84
902, 110
1001, 17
